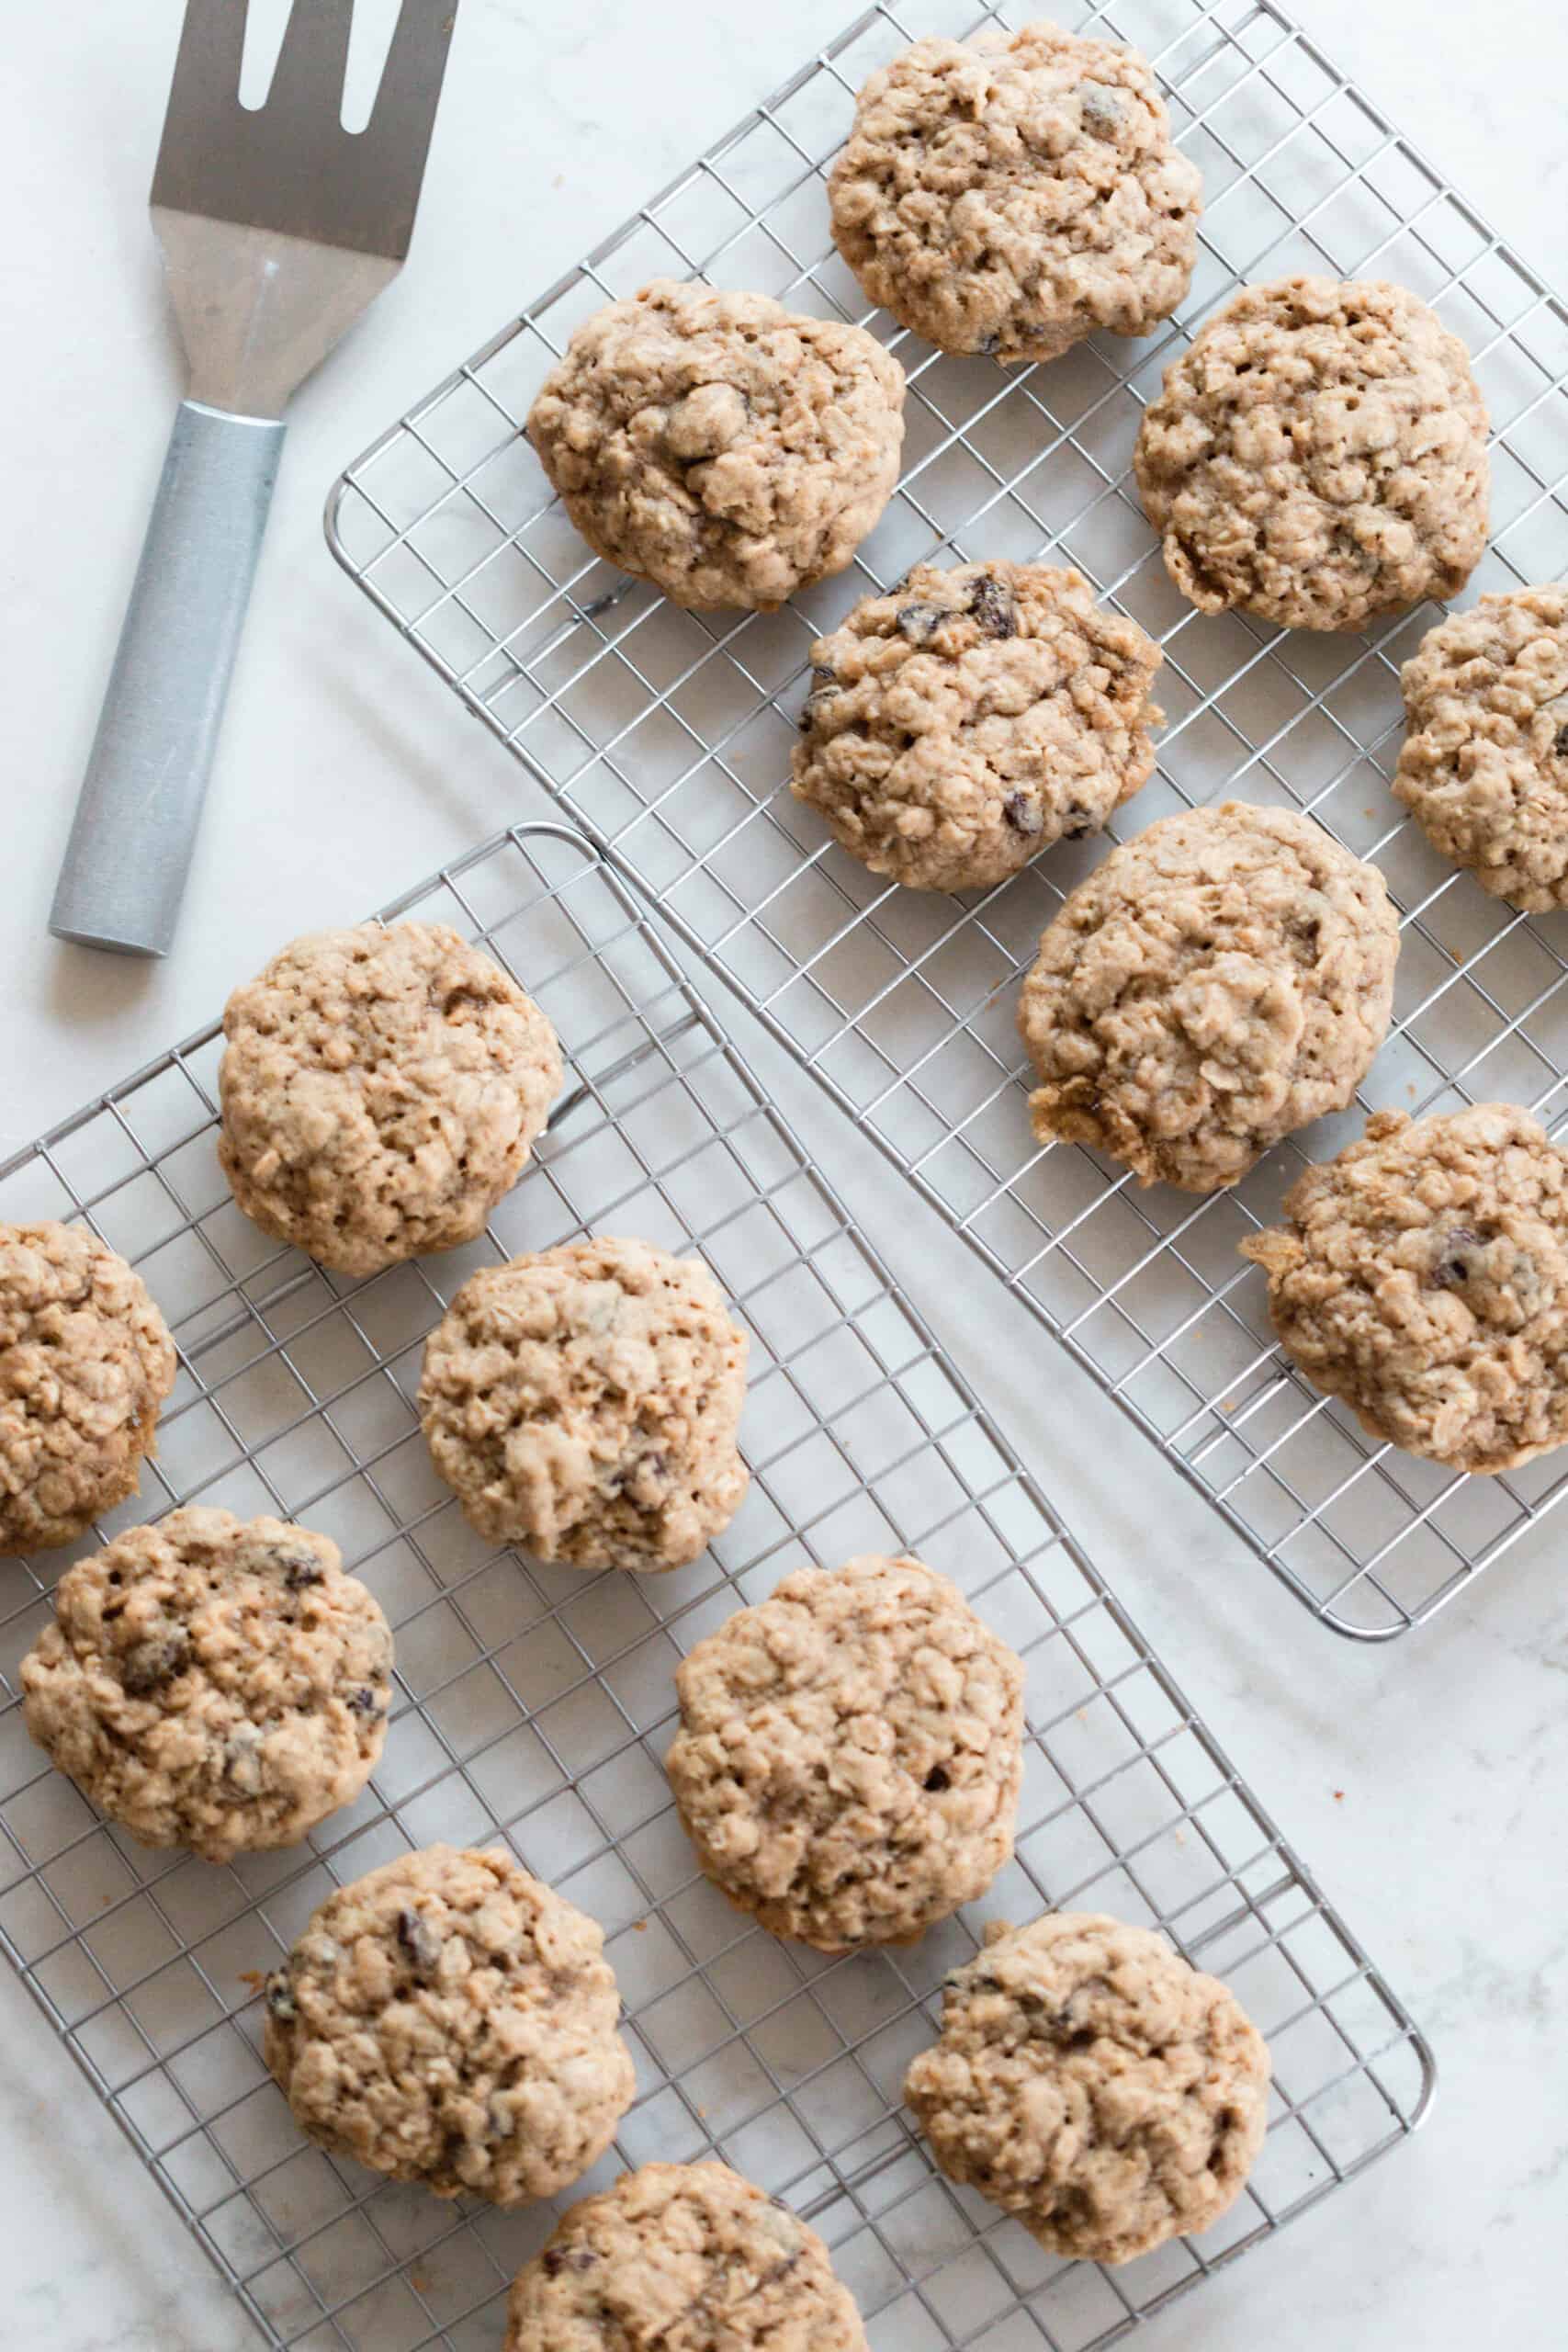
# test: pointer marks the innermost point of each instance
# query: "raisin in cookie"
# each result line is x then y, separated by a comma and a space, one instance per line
1222, 978
583, 1403
1484, 763
1012, 194
726, 449
1422, 1275
960, 726
1093, 2084
850, 1753
85, 1361
212, 1682
381, 1091
449, 2019
1318, 458
681, 2259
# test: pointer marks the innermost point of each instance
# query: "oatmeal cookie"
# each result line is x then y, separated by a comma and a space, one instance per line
583, 1403
1222, 978
1093, 2084
681, 2259
1318, 458
451, 2021
1422, 1275
725, 449
963, 724
212, 1682
85, 1361
851, 1753
1012, 194
381, 1091
1484, 763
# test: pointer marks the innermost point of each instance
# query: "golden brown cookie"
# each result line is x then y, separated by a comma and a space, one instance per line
726, 449
449, 2019
583, 1403
681, 2259
1422, 1275
1318, 458
1093, 2084
381, 1090
1483, 767
213, 1682
958, 726
1220, 979
85, 1361
851, 1753
1011, 194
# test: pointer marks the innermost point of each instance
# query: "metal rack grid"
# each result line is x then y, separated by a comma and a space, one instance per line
534, 1704
666, 735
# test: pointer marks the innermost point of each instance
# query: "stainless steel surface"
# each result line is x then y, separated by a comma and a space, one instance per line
258, 312
535, 1705
135, 828
666, 735
288, 166
277, 228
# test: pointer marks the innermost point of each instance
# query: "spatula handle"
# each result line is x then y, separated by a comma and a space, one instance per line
130, 849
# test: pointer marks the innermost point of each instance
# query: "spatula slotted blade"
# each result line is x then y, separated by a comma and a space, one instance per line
278, 228
288, 166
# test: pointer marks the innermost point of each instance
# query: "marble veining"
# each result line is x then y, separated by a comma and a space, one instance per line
1422, 1782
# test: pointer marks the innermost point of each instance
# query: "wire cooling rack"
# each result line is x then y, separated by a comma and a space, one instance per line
668, 736
535, 1705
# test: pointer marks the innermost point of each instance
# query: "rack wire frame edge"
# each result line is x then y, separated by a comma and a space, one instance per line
1245, 1908
1371, 1588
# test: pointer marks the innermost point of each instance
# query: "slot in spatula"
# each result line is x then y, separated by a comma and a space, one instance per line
278, 228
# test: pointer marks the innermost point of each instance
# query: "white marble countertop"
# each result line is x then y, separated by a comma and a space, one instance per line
1422, 1782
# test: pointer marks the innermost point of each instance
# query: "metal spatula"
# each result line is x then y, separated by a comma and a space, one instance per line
278, 228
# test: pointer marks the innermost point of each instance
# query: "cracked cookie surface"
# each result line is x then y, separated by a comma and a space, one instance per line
1318, 456
850, 1754
85, 1361
725, 449
1422, 1275
449, 2019
583, 1403
1484, 763
1012, 194
1093, 2084
958, 726
681, 2259
381, 1091
1219, 980
212, 1682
